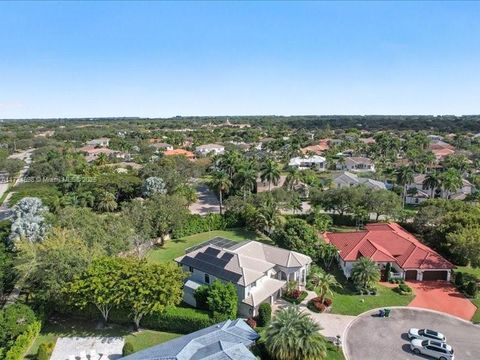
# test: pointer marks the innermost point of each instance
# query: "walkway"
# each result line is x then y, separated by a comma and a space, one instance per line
332, 324
442, 296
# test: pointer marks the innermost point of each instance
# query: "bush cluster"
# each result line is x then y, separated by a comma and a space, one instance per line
466, 283
295, 297
23, 342
319, 305
404, 289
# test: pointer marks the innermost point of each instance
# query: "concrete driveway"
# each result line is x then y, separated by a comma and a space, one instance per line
442, 296
370, 337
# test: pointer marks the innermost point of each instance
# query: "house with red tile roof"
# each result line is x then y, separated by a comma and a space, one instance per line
390, 243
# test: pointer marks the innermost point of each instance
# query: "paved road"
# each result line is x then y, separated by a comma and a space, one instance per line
206, 203
370, 337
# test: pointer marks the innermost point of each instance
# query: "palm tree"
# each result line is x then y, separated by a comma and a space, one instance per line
246, 177
365, 273
432, 181
106, 202
229, 162
270, 171
323, 283
293, 178
267, 217
451, 181
404, 176
221, 183
293, 335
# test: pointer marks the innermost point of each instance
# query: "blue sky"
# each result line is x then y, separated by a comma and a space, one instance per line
72, 59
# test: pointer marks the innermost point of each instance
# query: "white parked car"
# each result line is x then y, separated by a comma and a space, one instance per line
435, 349
426, 334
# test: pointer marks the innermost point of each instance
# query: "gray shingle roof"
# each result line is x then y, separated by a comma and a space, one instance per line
228, 340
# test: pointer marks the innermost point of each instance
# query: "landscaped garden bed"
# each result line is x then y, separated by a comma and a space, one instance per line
295, 297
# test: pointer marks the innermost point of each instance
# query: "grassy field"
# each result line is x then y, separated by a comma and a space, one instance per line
176, 248
54, 329
347, 302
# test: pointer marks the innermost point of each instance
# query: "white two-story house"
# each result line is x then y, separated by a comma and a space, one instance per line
259, 271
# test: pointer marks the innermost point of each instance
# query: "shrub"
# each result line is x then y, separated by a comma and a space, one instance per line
45, 350
264, 314
23, 342
296, 300
128, 348
404, 289
295, 294
459, 279
316, 305
178, 320
471, 289
327, 302
251, 322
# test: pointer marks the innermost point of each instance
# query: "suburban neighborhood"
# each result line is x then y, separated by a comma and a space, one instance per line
215, 180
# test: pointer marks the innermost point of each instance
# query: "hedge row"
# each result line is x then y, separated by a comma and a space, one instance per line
179, 320
23, 342
182, 320
197, 224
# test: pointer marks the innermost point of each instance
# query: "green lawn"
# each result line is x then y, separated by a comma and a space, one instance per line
147, 338
176, 248
333, 353
54, 329
347, 302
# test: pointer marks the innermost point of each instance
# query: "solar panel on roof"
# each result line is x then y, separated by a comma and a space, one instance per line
212, 251
211, 269
217, 241
227, 256
211, 259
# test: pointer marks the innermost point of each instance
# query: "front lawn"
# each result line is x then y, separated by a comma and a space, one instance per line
54, 329
334, 353
347, 302
176, 248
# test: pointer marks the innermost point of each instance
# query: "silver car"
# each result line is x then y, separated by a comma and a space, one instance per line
426, 334
435, 349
